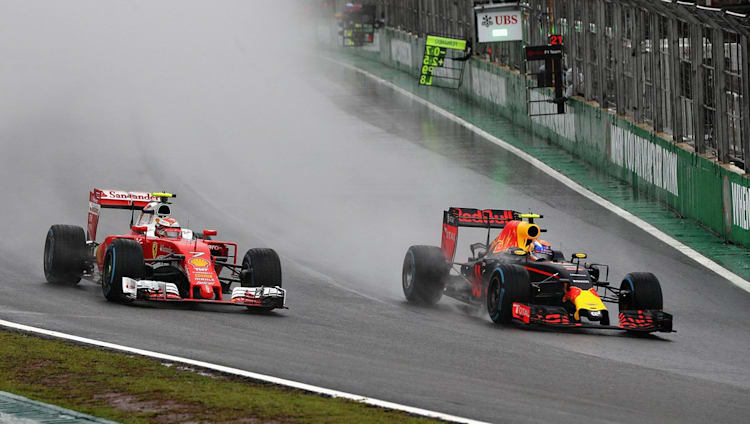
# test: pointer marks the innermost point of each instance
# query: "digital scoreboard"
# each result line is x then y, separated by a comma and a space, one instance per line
443, 61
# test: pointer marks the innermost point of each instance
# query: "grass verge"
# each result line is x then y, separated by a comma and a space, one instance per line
133, 389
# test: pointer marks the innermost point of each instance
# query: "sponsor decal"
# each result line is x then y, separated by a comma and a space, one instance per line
477, 216
499, 25
128, 284
203, 276
448, 243
476, 288
521, 312
198, 262
649, 161
499, 20
124, 195
450, 233
154, 249
741, 206
507, 238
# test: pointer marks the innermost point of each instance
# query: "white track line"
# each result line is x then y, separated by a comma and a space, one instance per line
687, 251
242, 373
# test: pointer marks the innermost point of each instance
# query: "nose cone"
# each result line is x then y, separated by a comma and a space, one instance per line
588, 300
207, 292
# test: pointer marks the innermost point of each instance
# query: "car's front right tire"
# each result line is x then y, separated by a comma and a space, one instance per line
261, 267
640, 291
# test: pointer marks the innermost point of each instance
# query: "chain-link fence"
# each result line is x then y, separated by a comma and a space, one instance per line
678, 68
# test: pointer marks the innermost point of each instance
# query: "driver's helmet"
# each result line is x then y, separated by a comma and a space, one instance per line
167, 227
542, 249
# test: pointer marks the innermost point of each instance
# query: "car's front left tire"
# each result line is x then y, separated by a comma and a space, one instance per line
508, 284
123, 258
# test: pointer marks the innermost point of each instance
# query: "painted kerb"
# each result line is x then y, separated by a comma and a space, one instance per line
693, 186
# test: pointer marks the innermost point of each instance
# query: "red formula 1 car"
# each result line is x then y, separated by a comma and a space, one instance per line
158, 260
522, 280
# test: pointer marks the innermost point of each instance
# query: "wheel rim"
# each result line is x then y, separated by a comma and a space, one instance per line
407, 276
107, 277
626, 301
248, 265
494, 299
493, 296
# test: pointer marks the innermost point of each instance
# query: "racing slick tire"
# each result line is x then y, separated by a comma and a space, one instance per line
643, 292
261, 267
423, 274
508, 283
64, 254
124, 258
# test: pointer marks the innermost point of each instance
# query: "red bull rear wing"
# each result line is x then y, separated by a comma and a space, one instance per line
455, 217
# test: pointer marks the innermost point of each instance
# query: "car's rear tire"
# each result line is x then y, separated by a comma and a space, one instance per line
508, 283
64, 254
261, 267
124, 258
640, 291
423, 274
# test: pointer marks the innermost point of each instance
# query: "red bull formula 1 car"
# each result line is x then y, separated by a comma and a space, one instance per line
158, 260
523, 281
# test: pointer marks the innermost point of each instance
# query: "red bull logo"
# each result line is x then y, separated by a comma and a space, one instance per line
484, 216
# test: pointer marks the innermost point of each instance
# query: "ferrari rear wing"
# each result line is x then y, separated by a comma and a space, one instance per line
115, 199
477, 218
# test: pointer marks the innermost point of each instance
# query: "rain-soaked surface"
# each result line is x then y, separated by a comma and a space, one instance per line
340, 175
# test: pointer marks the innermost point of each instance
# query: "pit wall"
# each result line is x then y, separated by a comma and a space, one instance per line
691, 185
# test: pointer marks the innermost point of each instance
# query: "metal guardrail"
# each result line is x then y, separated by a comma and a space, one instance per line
678, 68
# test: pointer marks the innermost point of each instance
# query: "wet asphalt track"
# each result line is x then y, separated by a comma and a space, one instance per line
340, 182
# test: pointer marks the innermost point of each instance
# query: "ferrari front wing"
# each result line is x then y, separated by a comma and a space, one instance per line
646, 321
160, 291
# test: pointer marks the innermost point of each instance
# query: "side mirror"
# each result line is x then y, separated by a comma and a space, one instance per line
207, 233
139, 228
594, 273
